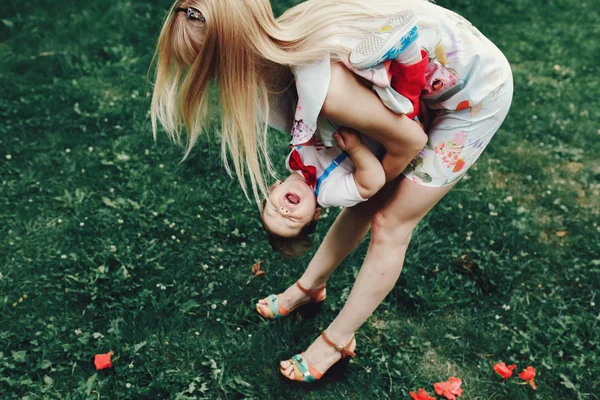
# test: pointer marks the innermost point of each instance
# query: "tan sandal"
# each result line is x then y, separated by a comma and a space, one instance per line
304, 371
276, 310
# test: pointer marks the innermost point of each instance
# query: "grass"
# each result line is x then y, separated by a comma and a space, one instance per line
108, 243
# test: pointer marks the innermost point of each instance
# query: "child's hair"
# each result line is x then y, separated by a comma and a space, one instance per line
295, 246
241, 45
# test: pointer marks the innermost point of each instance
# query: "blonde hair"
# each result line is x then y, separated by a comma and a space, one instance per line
249, 53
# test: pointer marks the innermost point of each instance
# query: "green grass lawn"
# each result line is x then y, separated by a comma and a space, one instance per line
108, 243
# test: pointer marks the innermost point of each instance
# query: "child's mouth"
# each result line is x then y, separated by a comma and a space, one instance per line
292, 198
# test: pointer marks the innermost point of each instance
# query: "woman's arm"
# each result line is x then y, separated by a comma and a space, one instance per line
350, 103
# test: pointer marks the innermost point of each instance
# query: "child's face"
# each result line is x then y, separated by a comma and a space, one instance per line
290, 206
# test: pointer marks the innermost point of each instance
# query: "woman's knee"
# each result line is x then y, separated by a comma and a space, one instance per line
388, 227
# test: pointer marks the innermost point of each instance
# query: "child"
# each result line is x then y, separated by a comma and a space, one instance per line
320, 177
346, 175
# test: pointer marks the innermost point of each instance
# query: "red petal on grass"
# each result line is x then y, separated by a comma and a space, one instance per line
102, 361
256, 271
422, 395
504, 371
449, 389
527, 375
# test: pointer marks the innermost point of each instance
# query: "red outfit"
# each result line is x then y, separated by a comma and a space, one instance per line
409, 81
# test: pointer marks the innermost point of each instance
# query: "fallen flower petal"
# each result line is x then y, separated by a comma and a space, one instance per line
449, 389
422, 395
256, 268
102, 361
527, 375
503, 370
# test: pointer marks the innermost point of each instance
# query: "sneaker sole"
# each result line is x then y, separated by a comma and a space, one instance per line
371, 51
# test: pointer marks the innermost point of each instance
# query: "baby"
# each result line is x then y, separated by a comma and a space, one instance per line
349, 173
320, 177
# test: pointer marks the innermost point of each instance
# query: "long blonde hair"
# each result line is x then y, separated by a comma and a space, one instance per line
249, 53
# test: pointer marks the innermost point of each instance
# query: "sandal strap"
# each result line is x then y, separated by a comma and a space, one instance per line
302, 369
277, 309
345, 350
313, 294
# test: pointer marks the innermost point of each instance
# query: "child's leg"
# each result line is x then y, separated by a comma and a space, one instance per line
409, 80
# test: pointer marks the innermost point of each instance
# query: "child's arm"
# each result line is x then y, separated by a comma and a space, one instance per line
369, 174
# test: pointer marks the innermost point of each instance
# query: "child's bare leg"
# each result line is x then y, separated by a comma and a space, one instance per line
345, 234
390, 236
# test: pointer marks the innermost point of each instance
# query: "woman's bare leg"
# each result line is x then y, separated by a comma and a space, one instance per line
346, 233
391, 232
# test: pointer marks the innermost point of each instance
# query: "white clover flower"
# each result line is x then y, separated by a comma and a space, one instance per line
205, 267
218, 319
224, 302
197, 333
161, 165
78, 332
111, 190
243, 244
163, 287
146, 152
102, 269
59, 221
173, 237
90, 149
154, 213
68, 150
63, 256
113, 248
213, 306
120, 221
8, 157
238, 329
130, 365
128, 385
81, 224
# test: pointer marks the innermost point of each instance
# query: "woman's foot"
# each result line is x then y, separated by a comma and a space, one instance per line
320, 355
294, 297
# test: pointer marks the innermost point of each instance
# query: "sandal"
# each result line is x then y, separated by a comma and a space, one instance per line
304, 371
276, 310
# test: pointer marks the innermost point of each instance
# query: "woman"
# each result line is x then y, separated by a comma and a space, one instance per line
252, 55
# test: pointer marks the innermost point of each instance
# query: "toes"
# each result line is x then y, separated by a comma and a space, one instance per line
262, 301
262, 309
290, 372
287, 369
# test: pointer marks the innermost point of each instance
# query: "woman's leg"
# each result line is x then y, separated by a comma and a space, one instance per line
391, 233
346, 233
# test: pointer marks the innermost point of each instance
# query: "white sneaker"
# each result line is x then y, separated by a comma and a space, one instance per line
395, 36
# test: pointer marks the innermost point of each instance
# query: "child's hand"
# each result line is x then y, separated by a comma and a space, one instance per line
348, 140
